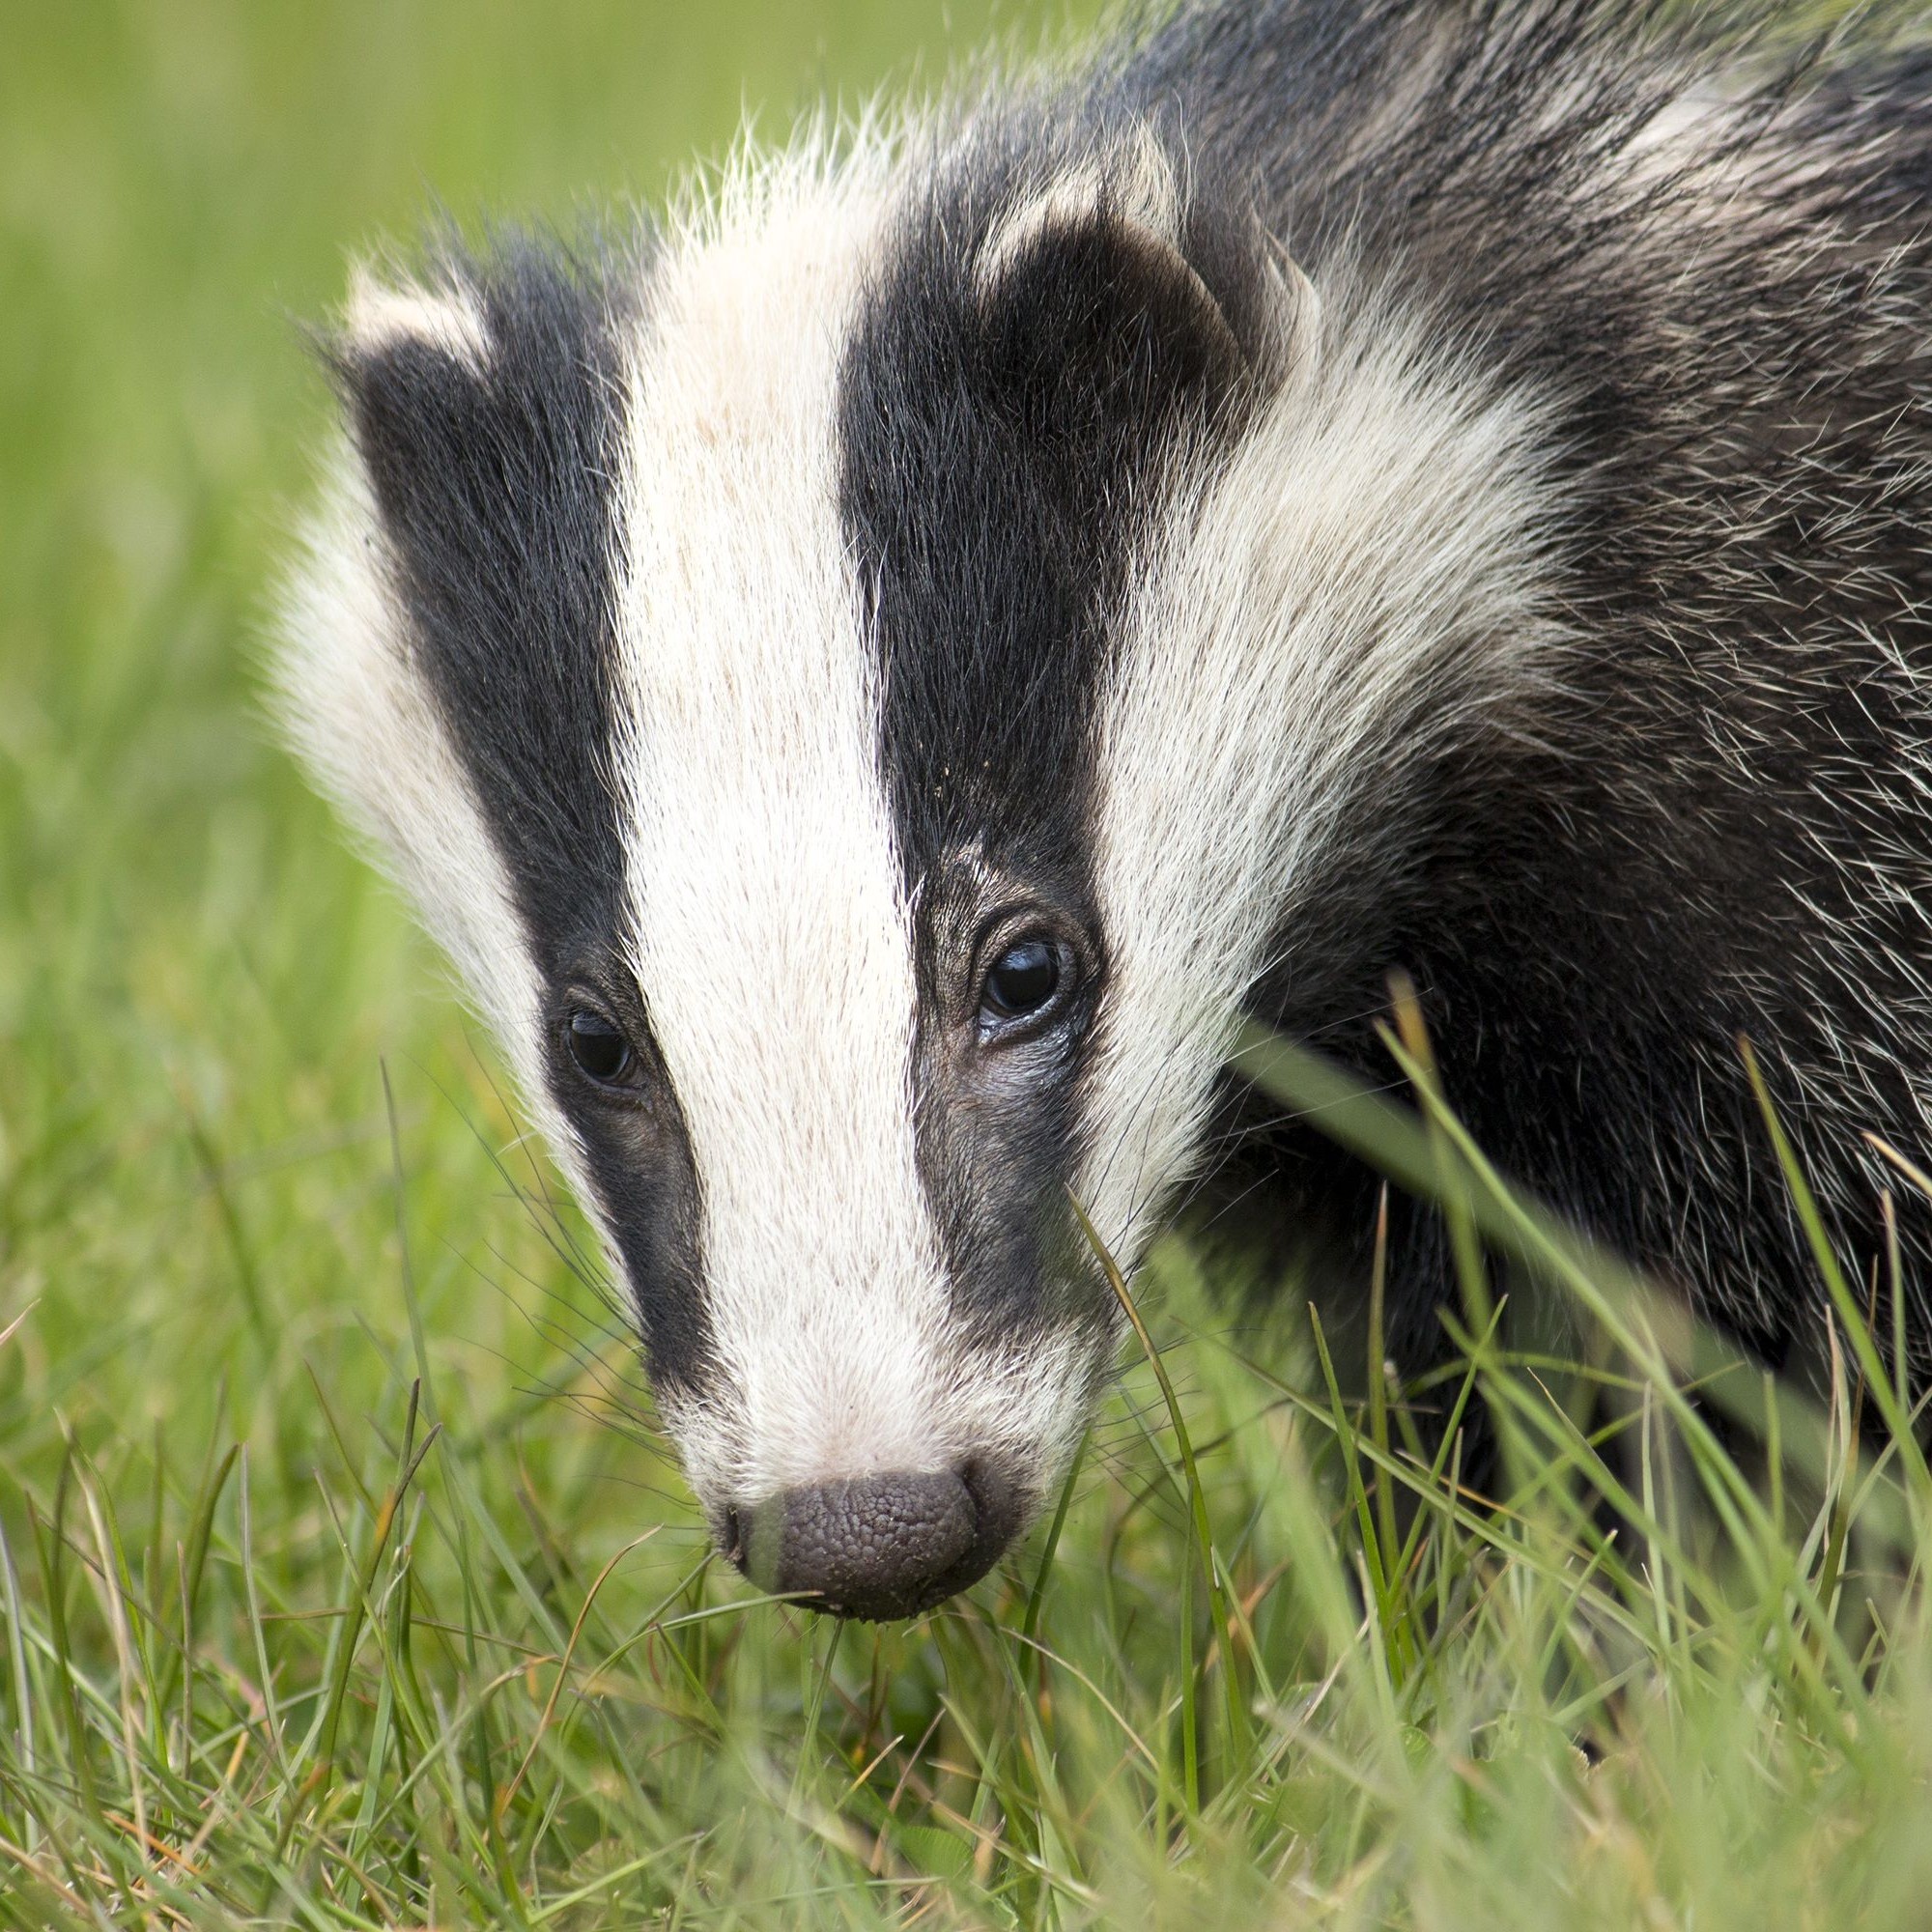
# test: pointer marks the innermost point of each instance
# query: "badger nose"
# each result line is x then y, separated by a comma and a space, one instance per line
878, 1546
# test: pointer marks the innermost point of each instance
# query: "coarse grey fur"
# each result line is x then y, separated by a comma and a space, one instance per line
1322, 488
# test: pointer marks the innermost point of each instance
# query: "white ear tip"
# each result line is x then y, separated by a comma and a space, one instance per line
1146, 188
1299, 311
380, 317
1134, 181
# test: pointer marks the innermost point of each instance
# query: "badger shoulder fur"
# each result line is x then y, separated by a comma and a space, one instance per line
875, 679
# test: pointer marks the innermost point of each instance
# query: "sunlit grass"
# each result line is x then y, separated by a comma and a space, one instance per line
465, 1658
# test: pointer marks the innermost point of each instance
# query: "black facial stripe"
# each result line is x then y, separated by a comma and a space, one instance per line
1001, 442
496, 493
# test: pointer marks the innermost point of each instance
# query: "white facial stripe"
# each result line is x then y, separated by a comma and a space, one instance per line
356, 711
773, 944
1375, 540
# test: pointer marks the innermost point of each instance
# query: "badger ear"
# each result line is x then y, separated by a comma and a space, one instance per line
414, 365
1099, 288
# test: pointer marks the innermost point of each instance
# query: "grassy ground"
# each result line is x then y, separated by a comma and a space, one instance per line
343, 1580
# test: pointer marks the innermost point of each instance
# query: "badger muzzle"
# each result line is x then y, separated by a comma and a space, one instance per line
877, 1548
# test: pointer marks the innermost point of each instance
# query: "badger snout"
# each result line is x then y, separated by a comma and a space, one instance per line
877, 1548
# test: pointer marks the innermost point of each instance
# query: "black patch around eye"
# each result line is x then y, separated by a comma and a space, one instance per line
599, 1048
1023, 980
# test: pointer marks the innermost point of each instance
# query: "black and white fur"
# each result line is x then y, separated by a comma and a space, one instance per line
1332, 486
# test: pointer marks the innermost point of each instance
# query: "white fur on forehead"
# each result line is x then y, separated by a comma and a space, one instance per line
1369, 569
379, 315
772, 939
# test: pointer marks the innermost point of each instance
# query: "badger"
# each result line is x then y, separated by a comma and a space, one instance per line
877, 677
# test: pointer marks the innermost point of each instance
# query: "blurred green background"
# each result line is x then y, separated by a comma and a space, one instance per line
209, 1238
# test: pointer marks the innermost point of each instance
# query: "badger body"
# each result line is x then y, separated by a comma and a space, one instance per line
875, 681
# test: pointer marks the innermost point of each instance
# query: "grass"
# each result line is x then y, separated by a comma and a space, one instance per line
344, 1581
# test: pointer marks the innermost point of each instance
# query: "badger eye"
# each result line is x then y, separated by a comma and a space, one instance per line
1021, 980
598, 1047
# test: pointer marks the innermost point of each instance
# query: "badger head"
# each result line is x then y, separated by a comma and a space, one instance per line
811, 677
